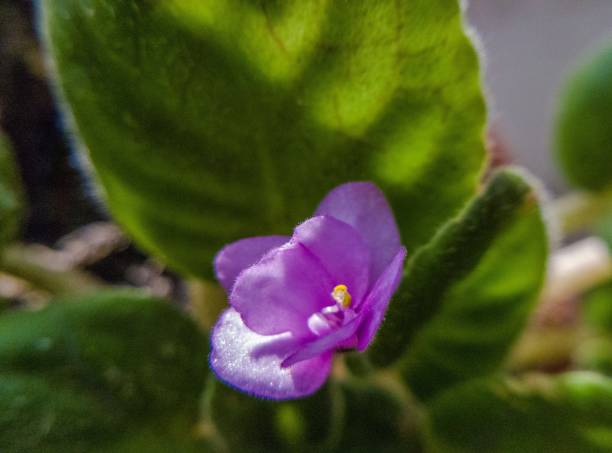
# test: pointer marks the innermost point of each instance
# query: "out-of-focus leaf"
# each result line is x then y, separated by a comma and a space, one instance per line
595, 351
90, 371
604, 227
584, 135
161, 439
11, 195
254, 425
211, 121
36, 413
351, 417
376, 420
467, 294
565, 414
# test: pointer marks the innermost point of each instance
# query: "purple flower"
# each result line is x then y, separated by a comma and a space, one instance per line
295, 300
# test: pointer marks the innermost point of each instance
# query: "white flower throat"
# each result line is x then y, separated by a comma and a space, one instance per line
333, 316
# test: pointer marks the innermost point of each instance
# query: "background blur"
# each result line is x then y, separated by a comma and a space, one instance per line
531, 47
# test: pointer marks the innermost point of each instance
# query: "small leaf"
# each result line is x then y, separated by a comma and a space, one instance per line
212, 121
565, 414
105, 365
584, 135
11, 194
466, 295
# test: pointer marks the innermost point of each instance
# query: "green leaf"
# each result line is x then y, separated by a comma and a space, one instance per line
375, 419
211, 121
467, 294
565, 414
603, 227
595, 351
350, 416
35, 414
11, 194
90, 371
584, 135
254, 425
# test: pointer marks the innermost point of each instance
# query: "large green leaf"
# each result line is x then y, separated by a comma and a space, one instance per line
211, 121
37, 414
11, 194
88, 372
584, 135
467, 294
566, 414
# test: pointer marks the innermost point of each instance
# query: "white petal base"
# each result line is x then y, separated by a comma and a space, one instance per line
252, 363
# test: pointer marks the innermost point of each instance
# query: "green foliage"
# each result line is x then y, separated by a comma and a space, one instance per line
211, 121
565, 414
39, 414
595, 352
350, 416
264, 426
584, 135
376, 420
467, 294
11, 195
603, 227
88, 372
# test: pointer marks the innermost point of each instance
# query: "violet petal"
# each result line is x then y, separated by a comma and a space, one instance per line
378, 299
363, 206
252, 362
340, 250
324, 344
281, 291
237, 256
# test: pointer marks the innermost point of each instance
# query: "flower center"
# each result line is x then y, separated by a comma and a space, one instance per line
333, 316
342, 297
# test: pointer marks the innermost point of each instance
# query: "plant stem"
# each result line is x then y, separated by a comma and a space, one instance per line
33, 264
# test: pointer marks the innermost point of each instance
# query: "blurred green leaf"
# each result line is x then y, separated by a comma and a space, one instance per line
211, 121
250, 424
11, 194
351, 416
467, 294
595, 351
569, 413
376, 420
89, 371
36, 414
584, 135
603, 227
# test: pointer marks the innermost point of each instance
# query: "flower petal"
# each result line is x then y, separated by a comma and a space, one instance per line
281, 291
341, 251
325, 344
378, 299
252, 362
363, 206
237, 256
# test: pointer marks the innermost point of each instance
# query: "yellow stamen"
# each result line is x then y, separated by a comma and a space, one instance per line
341, 295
